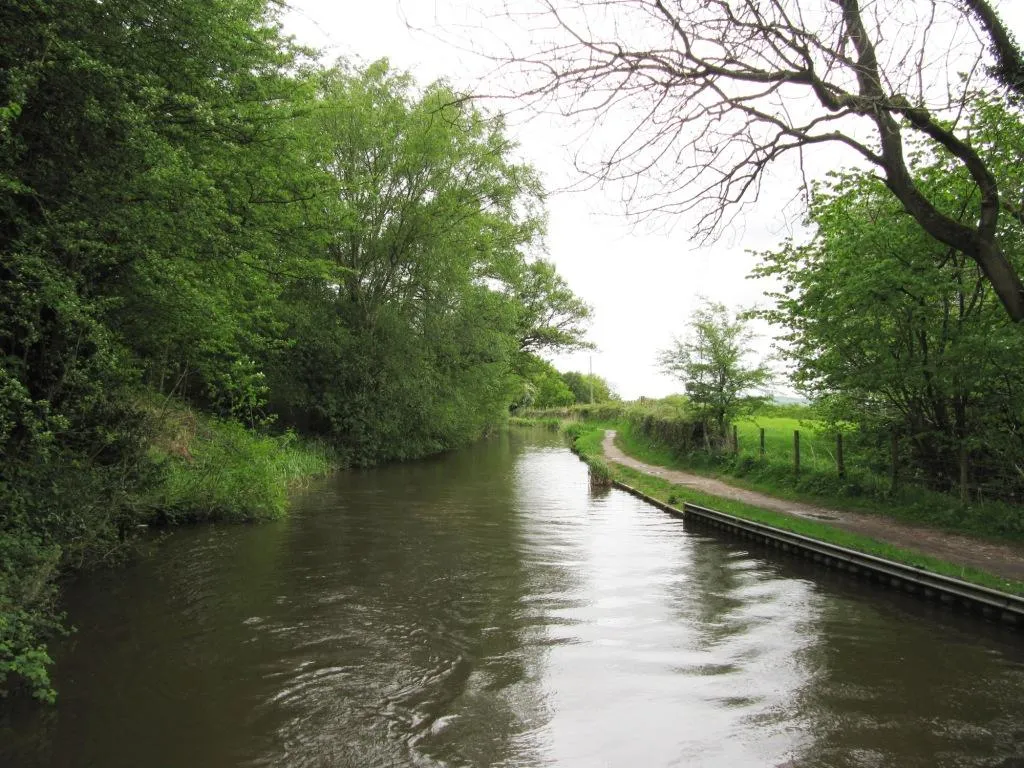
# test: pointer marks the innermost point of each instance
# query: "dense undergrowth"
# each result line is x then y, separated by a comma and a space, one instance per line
211, 470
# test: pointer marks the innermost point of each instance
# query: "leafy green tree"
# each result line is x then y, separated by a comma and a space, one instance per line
551, 391
895, 332
540, 384
550, 315
712, 363
891, 331
408, 348
585, 386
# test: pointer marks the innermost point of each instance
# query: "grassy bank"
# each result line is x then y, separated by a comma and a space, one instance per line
587, 441
858, 492
196, 468
214, 470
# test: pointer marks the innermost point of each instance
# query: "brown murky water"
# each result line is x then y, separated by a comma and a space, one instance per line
488, 609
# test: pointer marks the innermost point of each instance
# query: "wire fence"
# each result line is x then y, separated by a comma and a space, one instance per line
804, 449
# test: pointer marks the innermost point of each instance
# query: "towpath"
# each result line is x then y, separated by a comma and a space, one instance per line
1005, 560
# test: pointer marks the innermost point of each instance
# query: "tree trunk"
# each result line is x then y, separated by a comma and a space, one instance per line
964, 473
1005, 280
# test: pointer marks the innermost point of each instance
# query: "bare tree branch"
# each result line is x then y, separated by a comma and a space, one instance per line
712, 93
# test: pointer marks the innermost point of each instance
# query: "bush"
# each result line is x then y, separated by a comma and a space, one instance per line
669, 422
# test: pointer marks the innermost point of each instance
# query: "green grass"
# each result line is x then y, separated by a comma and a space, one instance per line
214, 470
860, 491
588, 444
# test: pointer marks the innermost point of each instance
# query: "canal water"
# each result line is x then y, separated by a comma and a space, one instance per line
488, 608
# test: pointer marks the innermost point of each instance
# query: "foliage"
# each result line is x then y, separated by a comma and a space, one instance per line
608, 412
600, 474
671, 422
551, 390
550, 315
711, 363
552, 424
214, 469
190, 205
414, 345
589, 387
891, 331
538, 386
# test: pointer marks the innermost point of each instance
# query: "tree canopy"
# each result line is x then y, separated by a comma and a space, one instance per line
892, 330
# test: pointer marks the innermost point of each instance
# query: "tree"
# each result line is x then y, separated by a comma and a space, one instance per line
710, 94
587, 386
891, 330
539, 384
711, 364
413, 343
550, 316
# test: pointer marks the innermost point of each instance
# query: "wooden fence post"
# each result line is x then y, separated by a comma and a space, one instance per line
796, 450
840, 465
735, 440
762, 442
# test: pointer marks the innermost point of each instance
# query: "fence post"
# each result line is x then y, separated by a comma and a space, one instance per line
840, 465
762, 442
735, 440
796, 450
894, 451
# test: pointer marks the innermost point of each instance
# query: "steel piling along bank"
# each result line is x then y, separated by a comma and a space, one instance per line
990, 603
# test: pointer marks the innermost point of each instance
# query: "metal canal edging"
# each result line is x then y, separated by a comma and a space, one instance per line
990, 603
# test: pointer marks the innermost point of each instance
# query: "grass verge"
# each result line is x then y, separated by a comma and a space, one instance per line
587, 442
918, 506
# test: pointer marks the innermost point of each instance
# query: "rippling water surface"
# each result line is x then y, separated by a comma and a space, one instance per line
487, 608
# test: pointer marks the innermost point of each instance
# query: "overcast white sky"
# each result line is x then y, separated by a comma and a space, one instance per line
642, 283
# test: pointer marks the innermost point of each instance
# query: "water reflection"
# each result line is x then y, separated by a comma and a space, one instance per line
490, 608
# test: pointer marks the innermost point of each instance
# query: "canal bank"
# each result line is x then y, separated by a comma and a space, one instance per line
963, 570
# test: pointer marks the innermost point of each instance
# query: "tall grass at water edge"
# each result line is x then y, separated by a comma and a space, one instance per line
214, 470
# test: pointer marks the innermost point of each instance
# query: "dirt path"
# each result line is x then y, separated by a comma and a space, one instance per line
1000, 559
